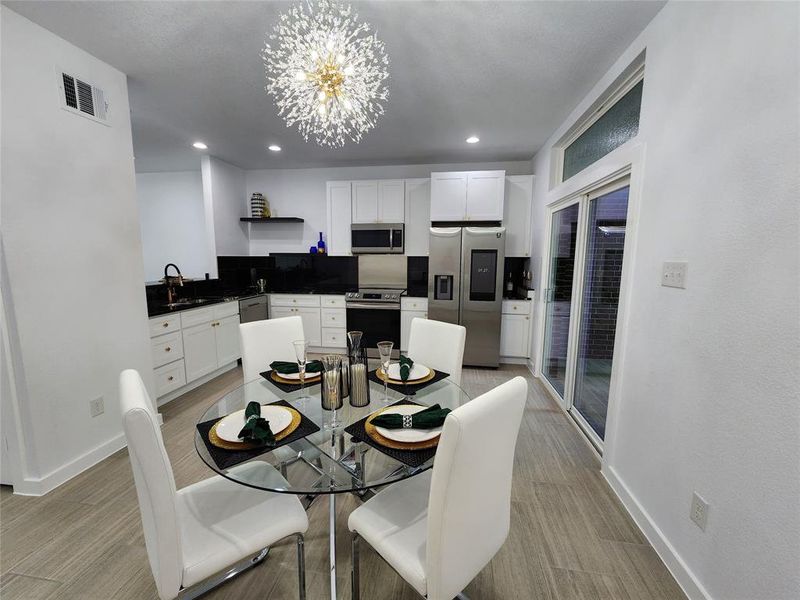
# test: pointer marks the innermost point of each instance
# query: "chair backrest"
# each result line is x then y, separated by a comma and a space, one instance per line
155, 485
469, 509
438, 345
266, 341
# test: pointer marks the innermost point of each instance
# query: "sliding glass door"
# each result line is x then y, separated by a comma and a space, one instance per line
586, 254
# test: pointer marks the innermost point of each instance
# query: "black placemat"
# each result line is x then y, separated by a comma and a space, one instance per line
410, 389
228, 458
412, 458
286, 387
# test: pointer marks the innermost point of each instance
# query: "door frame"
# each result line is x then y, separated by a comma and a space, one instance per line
625, 161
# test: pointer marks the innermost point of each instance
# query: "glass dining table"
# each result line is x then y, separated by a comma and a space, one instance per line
330, 461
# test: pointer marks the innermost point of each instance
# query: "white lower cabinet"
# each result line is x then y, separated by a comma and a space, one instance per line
312, 325
228, 348
170, 377
200, 350
318, 323
515, 329
334, 338
406, 316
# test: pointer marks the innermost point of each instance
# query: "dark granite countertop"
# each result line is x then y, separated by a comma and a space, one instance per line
158, 310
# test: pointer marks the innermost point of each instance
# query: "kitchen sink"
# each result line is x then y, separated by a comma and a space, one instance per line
189, 302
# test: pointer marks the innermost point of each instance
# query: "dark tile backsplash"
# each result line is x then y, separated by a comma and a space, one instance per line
418, 276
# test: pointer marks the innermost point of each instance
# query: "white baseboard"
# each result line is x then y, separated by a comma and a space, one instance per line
691, 586
513, 360
40, 486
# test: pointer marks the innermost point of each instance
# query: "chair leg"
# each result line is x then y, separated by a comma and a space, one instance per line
301, 566
355, 575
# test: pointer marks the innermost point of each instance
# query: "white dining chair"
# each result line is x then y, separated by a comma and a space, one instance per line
201, 535
438, 345
439, 529
266, 341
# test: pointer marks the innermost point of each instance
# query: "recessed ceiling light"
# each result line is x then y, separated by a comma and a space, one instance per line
200, 146
274, 148
473, 139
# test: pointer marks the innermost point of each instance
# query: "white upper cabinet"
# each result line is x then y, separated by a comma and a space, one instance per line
339, 214
418, 216
391, 201
517, 215
467, 196
379, 201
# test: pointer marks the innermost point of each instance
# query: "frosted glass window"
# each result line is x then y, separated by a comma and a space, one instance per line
617, 125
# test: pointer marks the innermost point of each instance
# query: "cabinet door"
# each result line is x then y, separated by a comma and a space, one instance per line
277, 312
517, 215
406, 317
391, 201
227, 331
199, 350
514, 335
418, 216
485, 191
312, 325
339, 215
365, 201
448, 196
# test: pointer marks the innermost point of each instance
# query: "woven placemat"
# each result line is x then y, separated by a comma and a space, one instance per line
225, 444
288, 385
412, 458
373, 432
411, 388
380, 374
225, 459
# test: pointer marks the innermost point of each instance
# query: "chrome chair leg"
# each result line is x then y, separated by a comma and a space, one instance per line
301, 565
354, 575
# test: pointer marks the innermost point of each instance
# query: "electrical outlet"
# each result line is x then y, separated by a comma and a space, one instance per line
699, 512
96, 407
674, 274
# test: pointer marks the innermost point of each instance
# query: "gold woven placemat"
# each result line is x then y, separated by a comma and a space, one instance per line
309, 379
383, 377
226, 445
372, 432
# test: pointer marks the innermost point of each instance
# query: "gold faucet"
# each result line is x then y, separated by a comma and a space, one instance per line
171, 280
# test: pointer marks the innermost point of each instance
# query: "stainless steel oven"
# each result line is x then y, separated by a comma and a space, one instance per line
376, 312
377, 238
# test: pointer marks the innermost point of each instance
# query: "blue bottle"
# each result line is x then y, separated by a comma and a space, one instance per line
320, 245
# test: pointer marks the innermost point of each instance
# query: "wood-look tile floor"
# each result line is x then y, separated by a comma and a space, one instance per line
570, 537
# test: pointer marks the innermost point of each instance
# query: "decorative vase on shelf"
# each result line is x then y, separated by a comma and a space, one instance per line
320, 245
257, 205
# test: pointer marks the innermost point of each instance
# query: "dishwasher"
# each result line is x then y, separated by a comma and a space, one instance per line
253, 309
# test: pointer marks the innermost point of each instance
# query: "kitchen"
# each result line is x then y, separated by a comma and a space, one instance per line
193, 340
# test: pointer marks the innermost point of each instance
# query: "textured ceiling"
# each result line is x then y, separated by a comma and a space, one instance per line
509, 72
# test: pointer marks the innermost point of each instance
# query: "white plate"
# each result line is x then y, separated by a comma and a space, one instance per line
229, 427
417, 372
296, 376
408, 435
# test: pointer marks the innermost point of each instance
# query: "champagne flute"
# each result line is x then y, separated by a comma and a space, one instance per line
301, 353
385, 351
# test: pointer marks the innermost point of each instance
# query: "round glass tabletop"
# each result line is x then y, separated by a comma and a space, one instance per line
325, 462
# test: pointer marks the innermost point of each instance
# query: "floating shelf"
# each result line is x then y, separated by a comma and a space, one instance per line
272, 219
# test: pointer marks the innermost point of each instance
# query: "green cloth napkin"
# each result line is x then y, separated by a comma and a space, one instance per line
256, 429
430, 418
285, 368
405, 367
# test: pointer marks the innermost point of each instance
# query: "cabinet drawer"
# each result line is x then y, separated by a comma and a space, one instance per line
164, 324
310, 300
225, 309
167, 348
334, 317
332, 301
516, 307
413, 303
195, 317
334, 338
170, 377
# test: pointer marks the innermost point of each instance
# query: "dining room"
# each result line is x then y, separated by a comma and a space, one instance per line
389, 300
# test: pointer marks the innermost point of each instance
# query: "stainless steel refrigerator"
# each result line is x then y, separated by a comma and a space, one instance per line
465, 286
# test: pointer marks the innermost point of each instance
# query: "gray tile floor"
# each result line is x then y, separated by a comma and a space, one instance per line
570, 537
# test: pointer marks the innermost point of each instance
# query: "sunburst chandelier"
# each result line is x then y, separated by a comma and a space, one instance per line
326, 72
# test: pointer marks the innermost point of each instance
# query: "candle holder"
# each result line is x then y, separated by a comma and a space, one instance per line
359, 381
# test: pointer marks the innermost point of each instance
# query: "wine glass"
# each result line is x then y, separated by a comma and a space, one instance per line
301, 353
385, 351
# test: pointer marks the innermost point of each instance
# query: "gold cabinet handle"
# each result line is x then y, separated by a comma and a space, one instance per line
167, 349
165, 324
170, 378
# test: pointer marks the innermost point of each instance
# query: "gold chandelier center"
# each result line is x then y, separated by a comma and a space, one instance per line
328, 77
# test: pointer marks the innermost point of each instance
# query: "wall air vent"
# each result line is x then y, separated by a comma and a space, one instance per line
79, 97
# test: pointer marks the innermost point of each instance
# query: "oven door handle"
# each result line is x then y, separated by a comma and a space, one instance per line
373, 306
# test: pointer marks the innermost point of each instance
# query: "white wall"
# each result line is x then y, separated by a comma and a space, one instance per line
73, 254
226, 203
708, 399
301, 193
172, 218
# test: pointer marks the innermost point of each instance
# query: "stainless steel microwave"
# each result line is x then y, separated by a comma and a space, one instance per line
377, 238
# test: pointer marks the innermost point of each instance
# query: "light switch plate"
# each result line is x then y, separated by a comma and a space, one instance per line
699, 512
674, 274
97, 407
